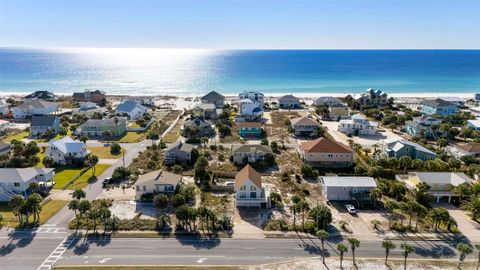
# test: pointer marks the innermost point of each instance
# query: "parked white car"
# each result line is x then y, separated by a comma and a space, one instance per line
351, 209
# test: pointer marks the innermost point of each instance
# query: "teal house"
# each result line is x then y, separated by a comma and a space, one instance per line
250, 129
401, 148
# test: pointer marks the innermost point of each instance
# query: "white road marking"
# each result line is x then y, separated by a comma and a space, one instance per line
104, 260
201, 260
60, 249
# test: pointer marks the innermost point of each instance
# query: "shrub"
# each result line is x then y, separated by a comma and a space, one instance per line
264, 141
115, 149
178, 200
177, 169
48, 161
221, 157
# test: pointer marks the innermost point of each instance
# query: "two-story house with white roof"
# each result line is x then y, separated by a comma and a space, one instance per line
67, 151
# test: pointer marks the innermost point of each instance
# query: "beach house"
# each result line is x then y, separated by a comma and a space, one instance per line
328, 101
34, 107
96, 96
206, 111
441, 184
249, 190
338, 112
156, 182
250, 129
250, 109
255, 96
178, 152
357, 125
249, 153
373, 98
44, 95
421, 126
67, 151
5, 148
397, 148
132, 109
467, 149
438, 107
103, 127
348, 188
16, 181
43, 125
214, 98
326, 153
304, 126
288, 102
4, 125
197, 127
474, 124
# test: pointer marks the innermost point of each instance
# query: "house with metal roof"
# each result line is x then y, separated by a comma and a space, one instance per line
156, 182
441, 184
249, 190
42, 94
373, 97
15, 181
34, 107
41, 125
132, 109
348, 188
473, 124
250, 109
326, 153
67, 151
397, 148
438, 107
254, 96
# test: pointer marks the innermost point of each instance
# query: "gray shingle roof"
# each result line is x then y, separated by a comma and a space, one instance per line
437, 103
129, 105
68, 145
43, 121
160, 177
213, 95
12, 175
36, 103
247, 147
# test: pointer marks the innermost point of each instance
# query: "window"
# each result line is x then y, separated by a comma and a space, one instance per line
243, 188
253, 188
243, 195
253, 195
16, 184
144, 188
138, 188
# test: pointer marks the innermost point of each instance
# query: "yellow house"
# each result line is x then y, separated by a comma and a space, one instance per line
338, 112
441, 183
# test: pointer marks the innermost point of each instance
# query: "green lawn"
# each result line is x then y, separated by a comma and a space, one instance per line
19, 136
63, 175
133, 124
9, 219
40, 155
48, 210
128, 137
104, 152
174, 134
83, 180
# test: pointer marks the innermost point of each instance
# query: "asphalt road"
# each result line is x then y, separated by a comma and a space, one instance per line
20, 251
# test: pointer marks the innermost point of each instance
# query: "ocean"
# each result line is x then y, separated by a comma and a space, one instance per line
195, 72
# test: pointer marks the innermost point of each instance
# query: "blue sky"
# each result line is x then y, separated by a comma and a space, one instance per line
241, 24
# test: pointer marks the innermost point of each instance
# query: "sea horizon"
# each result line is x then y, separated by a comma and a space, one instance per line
184, 72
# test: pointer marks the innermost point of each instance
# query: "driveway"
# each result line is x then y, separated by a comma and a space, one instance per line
466, 225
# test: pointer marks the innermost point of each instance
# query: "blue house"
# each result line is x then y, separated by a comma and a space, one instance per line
438, 107
250, 129
422, 126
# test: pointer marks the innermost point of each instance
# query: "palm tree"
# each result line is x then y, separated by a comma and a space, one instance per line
115, 120
93, 159
322, 235
104, 214
354, 243
342, 249
375, 194
78, 194
303, 207
464, 250
34, 204
387, 245
391, 206
16, 202
375, 223
83, 207
73, 205
93, 214
407, 249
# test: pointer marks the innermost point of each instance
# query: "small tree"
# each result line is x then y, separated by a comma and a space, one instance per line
342, 249
387, 245
322, 235
160, 201
375, 223
48, 162
354, 243
464, 250
178, 200
407, 249
73, 205
78, 194
93, 159
115, 149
